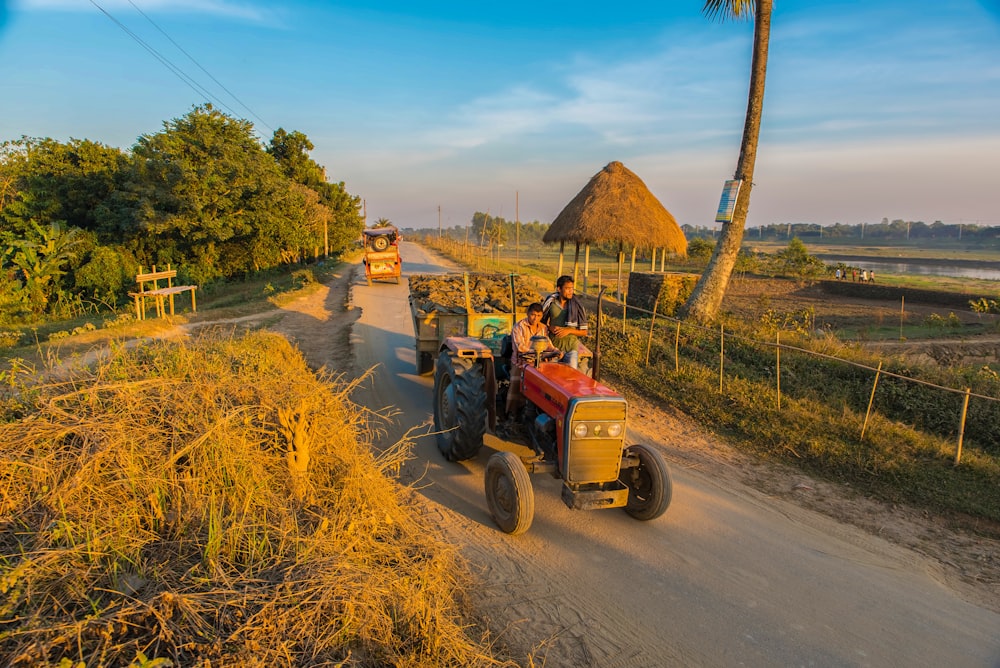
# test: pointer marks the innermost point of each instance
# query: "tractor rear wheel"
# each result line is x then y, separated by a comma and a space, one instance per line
649, 486
508, 492
380, 243
460, 409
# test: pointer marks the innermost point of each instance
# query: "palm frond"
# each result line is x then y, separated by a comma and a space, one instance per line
730, 9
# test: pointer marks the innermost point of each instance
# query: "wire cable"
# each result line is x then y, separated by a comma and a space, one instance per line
178, 72
207, 73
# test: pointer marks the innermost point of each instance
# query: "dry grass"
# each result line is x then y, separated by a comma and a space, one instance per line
215, 503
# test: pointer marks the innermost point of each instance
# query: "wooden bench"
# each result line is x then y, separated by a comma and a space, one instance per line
160, 296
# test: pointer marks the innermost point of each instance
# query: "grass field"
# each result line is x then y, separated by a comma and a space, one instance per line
907, 454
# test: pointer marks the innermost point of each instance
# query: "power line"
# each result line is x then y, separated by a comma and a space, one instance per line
178, 72
193, 60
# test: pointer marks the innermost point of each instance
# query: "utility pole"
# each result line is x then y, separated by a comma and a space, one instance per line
517, 230
439, 221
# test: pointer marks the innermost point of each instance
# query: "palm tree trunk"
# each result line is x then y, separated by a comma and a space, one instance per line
706, 299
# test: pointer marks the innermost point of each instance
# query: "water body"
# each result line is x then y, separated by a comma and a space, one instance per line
982, 270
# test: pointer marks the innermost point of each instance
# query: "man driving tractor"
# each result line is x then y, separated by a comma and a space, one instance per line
524, 337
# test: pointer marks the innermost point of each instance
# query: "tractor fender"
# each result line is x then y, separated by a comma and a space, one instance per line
464, 346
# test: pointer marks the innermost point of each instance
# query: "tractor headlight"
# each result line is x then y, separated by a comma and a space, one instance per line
615, 430
580, 430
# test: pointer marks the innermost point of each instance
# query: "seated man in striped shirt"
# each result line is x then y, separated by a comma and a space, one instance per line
523, 351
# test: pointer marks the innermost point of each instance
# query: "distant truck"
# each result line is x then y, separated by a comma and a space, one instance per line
382, 261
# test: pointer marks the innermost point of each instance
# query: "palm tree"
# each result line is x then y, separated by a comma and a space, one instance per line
705, 300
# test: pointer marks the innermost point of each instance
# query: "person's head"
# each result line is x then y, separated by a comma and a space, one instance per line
564, 286
534, 312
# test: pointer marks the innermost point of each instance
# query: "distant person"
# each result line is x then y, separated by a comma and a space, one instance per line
864, 275
871, 276
838, 274
566, 320
854, 275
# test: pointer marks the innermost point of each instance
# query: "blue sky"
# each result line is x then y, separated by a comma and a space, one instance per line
887, 108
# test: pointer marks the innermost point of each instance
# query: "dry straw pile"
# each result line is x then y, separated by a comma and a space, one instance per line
214, 503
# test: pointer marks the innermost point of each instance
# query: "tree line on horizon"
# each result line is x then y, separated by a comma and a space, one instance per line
78, 219
898, 230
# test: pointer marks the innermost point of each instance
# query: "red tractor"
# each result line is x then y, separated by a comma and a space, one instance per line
575, 425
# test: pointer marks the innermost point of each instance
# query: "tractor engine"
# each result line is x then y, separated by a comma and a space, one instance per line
541, 430
576, 422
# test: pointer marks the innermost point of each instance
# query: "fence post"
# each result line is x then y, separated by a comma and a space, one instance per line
649, 341
677, 345
902, 314
870, 400
961, 427
777, 353
722, 353
624, 310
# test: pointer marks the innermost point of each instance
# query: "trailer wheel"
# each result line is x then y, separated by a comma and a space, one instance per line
460, 409
381, 243
649, 486
425, 363
508, 493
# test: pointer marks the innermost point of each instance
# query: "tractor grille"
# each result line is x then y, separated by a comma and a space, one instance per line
596, 456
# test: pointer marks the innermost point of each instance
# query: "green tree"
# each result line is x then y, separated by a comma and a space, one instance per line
344, 222
47, 181
795, 260
700, 249
706, 299
43, 258
204, 193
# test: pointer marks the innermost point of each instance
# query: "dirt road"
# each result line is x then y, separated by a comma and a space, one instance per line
729, 576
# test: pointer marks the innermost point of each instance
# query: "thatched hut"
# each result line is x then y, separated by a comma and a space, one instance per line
616, 206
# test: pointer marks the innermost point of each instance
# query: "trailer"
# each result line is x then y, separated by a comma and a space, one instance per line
479, 306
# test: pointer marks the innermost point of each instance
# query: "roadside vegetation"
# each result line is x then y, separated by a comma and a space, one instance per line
908, 451
213, 502
78, 219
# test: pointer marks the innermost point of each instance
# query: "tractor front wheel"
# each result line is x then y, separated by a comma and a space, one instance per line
460, 409
508, 493
649, 486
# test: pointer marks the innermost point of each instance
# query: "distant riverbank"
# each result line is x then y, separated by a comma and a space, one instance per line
982, 269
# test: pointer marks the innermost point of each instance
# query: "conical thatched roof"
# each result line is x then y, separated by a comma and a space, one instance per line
617, 206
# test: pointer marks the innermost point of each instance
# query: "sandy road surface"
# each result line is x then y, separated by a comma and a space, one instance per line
729, 576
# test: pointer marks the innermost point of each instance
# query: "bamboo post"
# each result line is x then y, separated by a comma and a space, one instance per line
649, 341
632, 267
652, 266
677, 346
777, 373
600, 281
562, 245
624, 311
722, 353
902, 314
961, 427
586, 265
621, 261
870, 401
663, 260
576, 262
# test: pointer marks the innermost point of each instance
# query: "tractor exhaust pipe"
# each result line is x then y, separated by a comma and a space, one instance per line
597, 344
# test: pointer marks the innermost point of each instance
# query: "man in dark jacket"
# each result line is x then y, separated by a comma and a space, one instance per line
563, 313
